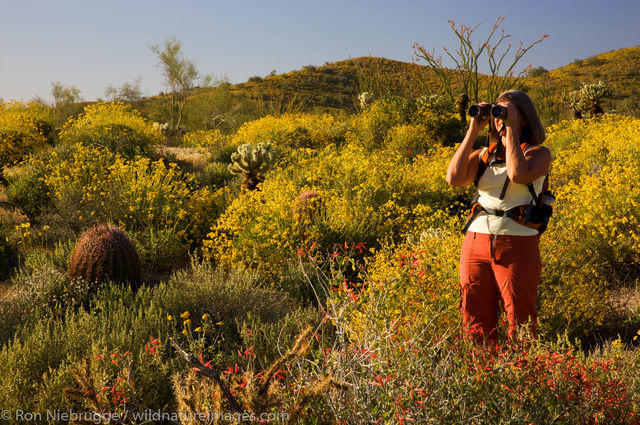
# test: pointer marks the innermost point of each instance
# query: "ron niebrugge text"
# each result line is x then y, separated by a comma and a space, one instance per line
148, 415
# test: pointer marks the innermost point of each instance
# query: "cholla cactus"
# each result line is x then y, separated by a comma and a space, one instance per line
593, 94
365, 98
575, 102
163, 127
588, 98
431, 100
105, 253
252, 163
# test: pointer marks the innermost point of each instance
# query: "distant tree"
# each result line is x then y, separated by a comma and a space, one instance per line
64, 96
65, 101
594, 61
180, 76
537, 72
128, 92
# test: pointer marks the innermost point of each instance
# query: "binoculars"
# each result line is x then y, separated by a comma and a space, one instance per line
482, 111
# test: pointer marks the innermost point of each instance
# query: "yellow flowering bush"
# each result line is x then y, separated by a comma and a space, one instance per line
592, 244
94, 184
161, 207
212, 139
442, 127
20, 134
369, 128
409, 140
116, 126
291, 130
402, 126
414, 282
583, 147
256, 230
367, 197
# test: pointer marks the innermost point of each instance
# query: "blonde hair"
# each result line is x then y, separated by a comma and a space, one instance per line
533, 131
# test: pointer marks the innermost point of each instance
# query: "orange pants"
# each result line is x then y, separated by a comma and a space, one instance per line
508, 271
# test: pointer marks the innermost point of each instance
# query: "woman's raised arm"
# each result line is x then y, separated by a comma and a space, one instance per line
464, 164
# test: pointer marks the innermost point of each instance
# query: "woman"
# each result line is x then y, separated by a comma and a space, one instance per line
500, 259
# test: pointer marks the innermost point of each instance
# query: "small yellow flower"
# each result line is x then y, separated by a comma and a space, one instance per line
206, 316
198, 329
46, 227
185, 315
184, 331
169, 317
220, 323
187, 322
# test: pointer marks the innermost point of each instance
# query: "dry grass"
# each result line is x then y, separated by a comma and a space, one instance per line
189, 159
625, 321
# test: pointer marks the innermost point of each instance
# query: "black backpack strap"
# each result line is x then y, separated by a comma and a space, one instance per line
532, 191
504, 189
475, 210
482, 167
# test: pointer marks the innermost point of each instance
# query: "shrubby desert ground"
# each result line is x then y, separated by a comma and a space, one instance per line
328, 292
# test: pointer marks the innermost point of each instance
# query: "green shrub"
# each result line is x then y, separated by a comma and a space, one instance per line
27, 190
215, 174
57, 258
161, 250
133, 330
8, 252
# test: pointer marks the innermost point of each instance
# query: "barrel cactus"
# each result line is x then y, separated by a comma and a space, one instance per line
252, 163
308, 207
105, 253
462, 103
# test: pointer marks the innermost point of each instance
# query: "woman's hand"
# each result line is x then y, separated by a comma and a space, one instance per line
513, 118
476, 125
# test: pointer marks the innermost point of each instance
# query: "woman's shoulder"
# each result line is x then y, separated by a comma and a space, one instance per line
538, 150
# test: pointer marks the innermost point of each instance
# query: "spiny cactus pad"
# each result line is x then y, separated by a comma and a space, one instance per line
105, 253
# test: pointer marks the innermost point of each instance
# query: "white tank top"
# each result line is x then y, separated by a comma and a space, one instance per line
489, 188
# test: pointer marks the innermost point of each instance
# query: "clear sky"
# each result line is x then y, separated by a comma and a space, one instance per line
91, 44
